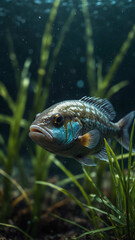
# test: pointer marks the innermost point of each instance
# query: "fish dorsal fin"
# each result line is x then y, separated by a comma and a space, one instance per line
101, 104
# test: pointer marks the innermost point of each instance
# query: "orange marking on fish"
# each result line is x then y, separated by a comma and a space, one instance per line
85, 140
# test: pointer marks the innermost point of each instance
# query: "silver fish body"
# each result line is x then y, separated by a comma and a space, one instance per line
77, 128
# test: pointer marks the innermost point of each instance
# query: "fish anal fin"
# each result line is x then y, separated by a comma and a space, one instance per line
86, 161
90, 139
102, 155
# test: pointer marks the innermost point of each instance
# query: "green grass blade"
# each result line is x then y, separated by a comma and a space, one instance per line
125, 155
69, 180
119, 58
47, 36
4, 93
94, 232
69, 174
119, 218
3, 158
108, 203
44, 54
13, 58
69, 221
67, 193
99, 76
16, 228
128, 207
91, 182
53, 60
89, 49
2, 141
122, 163
15, 124
117, 166
74, 180
116, 88
18, 186
130, 155
111, 163
113, 217
6, 119
102, 198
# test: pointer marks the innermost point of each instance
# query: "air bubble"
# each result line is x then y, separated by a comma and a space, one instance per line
80, 83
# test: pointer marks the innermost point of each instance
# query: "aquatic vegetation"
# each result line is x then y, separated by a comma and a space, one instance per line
15, 122
44, 56
42, 157
89, 50
19, 126
100, 86
117, 212
103, 87
118, 215
5, 225
25, 196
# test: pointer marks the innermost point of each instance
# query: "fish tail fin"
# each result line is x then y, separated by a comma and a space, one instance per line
124, 124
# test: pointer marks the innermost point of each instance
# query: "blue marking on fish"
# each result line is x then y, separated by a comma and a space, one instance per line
67, 133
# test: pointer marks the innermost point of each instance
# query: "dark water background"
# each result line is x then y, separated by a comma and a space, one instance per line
111, 22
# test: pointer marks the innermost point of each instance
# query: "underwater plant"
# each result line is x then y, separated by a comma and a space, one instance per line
42, 157
99, 85
112, 215
19, 126
15, 122
98, 208
104, 214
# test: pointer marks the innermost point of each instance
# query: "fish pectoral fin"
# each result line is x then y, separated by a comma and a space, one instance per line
86, 161
90, 139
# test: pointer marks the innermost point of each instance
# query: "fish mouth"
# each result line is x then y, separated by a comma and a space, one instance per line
37, 132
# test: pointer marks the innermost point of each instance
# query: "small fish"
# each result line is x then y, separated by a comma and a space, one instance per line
77, 128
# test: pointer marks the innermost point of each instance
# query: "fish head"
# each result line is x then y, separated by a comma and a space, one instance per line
55, 129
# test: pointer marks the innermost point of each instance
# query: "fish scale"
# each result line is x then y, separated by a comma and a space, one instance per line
92, 117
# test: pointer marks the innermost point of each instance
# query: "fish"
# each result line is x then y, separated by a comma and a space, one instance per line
77, 129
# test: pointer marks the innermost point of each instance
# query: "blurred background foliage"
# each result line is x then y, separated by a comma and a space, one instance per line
25, 97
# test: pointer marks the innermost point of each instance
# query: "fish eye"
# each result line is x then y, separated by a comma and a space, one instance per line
57, 120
